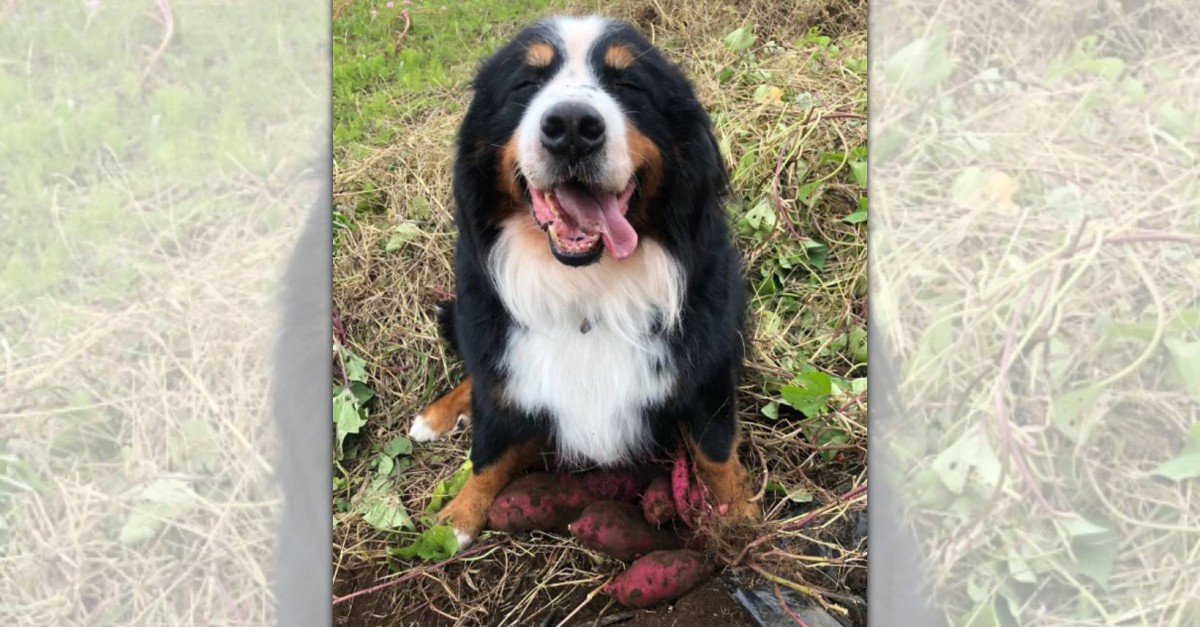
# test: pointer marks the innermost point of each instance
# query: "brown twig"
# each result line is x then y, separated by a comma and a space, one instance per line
417, 572
787, 608
1143, 236
824, 509
578, 608
776, 199
842, 115
615, 619
816, 594
164, 7
1002, 420
407, 24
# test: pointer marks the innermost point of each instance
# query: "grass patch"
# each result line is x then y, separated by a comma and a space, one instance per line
145, 195
785, 86
1045, 314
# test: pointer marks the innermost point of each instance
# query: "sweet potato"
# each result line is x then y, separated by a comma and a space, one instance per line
535, 501
608, 485
618, 529
658, 504
659, 576
546, 501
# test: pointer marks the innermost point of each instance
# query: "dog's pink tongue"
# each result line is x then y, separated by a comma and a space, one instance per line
601, 213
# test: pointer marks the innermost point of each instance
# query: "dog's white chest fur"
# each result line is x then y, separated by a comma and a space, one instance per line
596, 385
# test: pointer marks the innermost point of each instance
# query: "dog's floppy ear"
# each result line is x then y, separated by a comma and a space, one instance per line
710, 157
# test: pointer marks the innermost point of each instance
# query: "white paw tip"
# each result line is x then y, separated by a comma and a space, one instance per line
464, 539
420, 430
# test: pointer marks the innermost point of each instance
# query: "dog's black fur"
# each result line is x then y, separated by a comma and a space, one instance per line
686, 216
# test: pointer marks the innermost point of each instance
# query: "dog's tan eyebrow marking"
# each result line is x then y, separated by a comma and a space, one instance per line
618, 56
539, 54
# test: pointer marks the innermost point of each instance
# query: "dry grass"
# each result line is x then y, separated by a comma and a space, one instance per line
149, 202
1066, 269
167, 390
383, 302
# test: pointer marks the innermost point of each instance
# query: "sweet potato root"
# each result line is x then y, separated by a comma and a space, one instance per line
659, 576
618, 529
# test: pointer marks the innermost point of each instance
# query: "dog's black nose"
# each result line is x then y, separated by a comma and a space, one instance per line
572, 130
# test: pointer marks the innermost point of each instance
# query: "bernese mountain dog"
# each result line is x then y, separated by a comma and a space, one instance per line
600, 303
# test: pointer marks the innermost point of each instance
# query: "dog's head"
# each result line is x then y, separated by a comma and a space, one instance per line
581, 124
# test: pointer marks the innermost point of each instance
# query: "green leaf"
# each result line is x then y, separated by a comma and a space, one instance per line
1094, 547
771, 410
162, 500
817, 253
17, 476
858, 173
346, 418
858, 217
745, 164
1186, 356
740, 39
1020, 570
402, 234
1179, 468
434, 544
398, 445
857, 343
935, 342
381, 507
969, 459
385, 465
761, 217
808, 393
800, 496
1080, 527
450, 487
456, 481
1068, 407
920, 65
361, 392
807, 193
356, 367
967, 185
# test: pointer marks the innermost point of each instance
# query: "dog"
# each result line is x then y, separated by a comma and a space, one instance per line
600, 305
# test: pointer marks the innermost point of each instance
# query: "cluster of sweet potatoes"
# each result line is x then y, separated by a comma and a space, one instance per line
626, 515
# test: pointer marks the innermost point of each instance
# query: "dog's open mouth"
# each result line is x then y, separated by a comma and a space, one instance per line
582, 221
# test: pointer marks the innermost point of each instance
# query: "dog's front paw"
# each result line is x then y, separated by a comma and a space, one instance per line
467, 517
447, 415
435, 423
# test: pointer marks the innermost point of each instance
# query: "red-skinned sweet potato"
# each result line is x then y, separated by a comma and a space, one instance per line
658, 503
535, 501
546, 501
608, 485
659, 576
618, 529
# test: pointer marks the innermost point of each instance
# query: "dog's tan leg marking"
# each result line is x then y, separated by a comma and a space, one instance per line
728, 482
468, 511
444, 416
